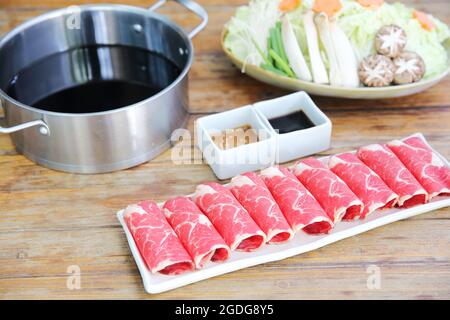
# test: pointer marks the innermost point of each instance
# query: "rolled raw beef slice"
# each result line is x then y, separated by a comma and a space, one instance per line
335, 197
230, 219
393, 172
158, 244
298, 206
430, 170
252, 193
364, 183
195, 231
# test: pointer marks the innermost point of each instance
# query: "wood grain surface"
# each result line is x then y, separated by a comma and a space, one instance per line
51, 220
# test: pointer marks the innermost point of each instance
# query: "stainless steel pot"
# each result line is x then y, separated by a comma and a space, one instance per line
104, 141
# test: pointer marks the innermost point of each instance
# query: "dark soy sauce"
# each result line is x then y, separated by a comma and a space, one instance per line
291, 122
93, 79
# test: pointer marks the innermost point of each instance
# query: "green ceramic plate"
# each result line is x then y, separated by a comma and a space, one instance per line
332, 91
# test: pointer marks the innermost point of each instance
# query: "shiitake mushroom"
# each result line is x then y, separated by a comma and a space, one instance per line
376, 71
409, 68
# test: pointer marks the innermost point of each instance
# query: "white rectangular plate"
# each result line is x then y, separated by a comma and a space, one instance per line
301, 243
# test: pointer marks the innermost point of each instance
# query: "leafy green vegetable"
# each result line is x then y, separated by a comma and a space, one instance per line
277, 52
270, 67
248, 31
269, 45
281, 64
280, 41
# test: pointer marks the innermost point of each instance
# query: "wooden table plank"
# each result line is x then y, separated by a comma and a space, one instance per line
338, 270
50, 220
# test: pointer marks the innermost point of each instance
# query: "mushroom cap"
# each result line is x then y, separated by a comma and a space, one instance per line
376, 71
409, 68
390, 40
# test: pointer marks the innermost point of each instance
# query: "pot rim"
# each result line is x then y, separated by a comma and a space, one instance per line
115, 7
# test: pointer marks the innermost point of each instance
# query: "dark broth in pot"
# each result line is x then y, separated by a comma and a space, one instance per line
93, 79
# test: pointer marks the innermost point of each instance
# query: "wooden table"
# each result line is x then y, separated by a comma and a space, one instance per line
51, 220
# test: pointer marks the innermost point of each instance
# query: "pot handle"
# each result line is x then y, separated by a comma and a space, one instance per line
43, 127
192, 6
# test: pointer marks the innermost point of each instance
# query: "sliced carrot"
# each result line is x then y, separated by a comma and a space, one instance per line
371, 3
330, 7
288, 5
424, 20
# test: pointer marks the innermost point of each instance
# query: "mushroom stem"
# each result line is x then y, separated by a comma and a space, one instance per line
323, 26
319, 72
343, 64
348, 65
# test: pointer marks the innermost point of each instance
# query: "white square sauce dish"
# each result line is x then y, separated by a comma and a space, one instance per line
236, 141
300, 127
